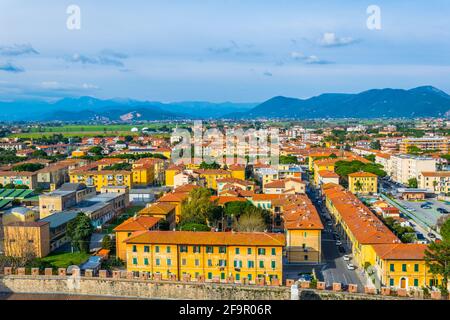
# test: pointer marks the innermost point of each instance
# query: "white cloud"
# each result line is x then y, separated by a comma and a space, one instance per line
308, 59
330, 39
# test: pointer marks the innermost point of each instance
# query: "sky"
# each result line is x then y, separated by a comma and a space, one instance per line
221, 50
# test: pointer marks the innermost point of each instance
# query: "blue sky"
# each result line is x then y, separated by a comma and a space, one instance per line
222, 50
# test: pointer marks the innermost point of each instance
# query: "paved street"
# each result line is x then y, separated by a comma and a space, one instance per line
334, 268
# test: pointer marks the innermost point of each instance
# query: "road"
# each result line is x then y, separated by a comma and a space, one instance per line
334, 268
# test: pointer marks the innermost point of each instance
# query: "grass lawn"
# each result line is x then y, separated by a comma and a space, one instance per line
63, 260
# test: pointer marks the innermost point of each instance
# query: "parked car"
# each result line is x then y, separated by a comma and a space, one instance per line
442, 210
425, 207
305, 277
431, 235
338, 243
350, 266
346, 258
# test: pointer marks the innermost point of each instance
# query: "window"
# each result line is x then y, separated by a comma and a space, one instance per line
146, 249
249, 250
134, 248
197, 262
222, 276
222, 263
391, 282
274, 251
134, 261
168, 249
222, 249
183, 249
209, 263
261, 264
273, 264
416, 268
183, 262
146, 261
404, 267
249, 276
196, 249
238, 276
250, 264
306, 257
416, 282
391, 267
169, 262
261, 251
237, 250
157, 249
209, 275
209, 249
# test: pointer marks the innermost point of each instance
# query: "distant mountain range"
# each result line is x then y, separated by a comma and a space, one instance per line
423, 101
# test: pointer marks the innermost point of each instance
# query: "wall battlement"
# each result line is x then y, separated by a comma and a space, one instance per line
126, 284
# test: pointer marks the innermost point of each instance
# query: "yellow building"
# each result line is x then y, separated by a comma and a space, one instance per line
303, 234
363, 182
126, 229
177, 199
237, 171
214, 255
78, 153
402, 265
211, 176
101, 179
323, 165
171, 171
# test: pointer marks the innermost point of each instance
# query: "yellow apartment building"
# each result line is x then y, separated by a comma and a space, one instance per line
402, 265
171, 171
237, 171
363, 182
214, 255
128, 227
212, 175
101, 179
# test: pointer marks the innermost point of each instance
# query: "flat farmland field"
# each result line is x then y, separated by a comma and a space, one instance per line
89, 130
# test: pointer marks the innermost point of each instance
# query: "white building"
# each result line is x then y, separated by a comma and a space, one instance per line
403, 167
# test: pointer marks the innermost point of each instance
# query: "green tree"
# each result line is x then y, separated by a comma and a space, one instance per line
213, 165
375, 144
370, 157
97, 150
445, 230
250, 221
194, 227
39, 154
107, 243
288, 160
198, 207
437, 259
79, 231
412, 183
29, 167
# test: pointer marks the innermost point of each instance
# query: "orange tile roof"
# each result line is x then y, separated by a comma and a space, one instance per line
185, 188
362, 222
328, 174
401, 251
436, 174
173, 197
158, 208
362, 174
208, 238
225, 199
